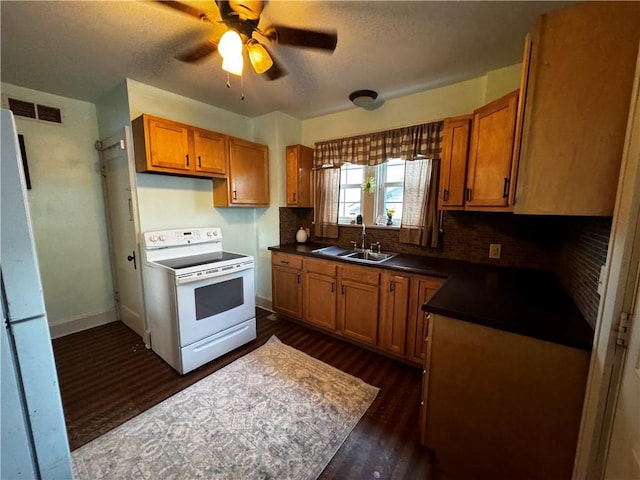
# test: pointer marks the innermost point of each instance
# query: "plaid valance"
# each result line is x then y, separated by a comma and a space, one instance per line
408, 143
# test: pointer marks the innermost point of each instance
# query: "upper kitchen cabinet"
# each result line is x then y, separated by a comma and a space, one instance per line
247, 182
299, 167
577, 99
453, 166
164, 146
491, 165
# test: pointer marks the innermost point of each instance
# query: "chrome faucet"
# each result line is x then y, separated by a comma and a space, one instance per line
364, 235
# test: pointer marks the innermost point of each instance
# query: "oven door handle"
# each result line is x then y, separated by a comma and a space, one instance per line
194, 277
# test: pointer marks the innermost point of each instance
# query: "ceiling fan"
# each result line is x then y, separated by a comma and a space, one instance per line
238, 21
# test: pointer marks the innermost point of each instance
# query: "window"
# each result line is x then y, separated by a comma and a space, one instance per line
350, 203
387, 194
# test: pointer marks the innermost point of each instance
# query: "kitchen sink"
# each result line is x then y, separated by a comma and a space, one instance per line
369, 256
332, 250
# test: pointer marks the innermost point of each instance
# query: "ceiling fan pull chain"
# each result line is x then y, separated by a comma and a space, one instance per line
241, 88
228, 82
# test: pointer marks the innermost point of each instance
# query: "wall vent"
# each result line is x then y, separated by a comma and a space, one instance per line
32, 110
24, 109
49, 114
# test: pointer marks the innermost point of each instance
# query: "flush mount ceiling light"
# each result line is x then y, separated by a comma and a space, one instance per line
363, 98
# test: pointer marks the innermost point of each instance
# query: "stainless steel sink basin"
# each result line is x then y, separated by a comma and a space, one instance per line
369, 256
332, 250
366, 256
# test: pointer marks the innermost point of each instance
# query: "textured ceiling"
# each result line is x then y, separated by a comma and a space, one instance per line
83, 50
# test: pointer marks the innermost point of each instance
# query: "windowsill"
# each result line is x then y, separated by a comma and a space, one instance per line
380, 227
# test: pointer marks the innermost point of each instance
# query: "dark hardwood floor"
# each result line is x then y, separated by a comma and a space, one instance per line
107, 376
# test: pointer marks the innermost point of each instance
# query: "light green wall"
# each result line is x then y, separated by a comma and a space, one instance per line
428, 106
67, 208
276, 130
113, 111
502, 81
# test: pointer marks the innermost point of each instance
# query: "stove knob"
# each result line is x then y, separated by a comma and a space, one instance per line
215, 233
153, 238
209, 233
162, 238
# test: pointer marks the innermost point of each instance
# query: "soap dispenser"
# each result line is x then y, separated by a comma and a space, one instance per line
301, 235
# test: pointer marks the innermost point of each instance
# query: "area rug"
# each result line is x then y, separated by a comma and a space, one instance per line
275, 413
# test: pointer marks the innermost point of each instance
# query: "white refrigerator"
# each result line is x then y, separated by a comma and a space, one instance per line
33, 442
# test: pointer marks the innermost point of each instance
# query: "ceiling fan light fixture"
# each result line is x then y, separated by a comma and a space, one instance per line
233, 64
259, 57
230, 44
363, 98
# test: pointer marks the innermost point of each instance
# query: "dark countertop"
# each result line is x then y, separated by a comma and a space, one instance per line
521, 301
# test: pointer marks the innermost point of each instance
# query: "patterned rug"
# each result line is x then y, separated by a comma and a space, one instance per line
275, 413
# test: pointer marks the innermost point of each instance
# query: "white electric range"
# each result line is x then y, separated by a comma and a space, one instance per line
199, 299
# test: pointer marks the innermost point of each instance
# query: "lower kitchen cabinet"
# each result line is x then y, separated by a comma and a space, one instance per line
286, 280
377, 308
500, 405
422, 288
319, 293
394, 308
358, 304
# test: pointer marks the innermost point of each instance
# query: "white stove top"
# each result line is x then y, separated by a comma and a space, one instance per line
191, 251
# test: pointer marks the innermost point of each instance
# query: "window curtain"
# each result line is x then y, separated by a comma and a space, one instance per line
419, 225
327, 195
408, 143
418, 144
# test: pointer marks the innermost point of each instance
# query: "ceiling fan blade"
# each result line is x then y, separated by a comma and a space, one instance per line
184, 8
297, 37
276, 71
198, 53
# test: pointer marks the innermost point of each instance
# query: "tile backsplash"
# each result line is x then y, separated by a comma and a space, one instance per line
573, 247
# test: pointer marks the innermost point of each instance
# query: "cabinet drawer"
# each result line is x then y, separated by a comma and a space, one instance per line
360, 274
320, 266
291, 261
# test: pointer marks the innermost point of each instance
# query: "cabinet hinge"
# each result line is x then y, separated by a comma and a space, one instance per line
622, 337
98, 145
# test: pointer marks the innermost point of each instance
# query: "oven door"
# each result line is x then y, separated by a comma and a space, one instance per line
212, 305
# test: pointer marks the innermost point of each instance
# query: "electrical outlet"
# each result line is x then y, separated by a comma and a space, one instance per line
495, 250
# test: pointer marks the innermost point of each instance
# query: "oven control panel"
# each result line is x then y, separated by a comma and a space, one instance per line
186, 236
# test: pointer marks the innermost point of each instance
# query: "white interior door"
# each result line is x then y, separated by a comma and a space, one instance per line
120, 199
623, 460
608, 445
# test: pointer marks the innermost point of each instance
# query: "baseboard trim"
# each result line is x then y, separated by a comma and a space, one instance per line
264, 303
78, 324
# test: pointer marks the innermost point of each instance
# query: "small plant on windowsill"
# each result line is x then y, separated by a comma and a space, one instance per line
390, 212
369, 185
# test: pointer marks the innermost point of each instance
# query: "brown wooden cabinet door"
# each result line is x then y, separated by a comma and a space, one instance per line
581, 73
358, 311
421, 290
248, 173
491, 154
211, 151
299, 161
287, 291
169, 145
453, 166
320, 300
394, 307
